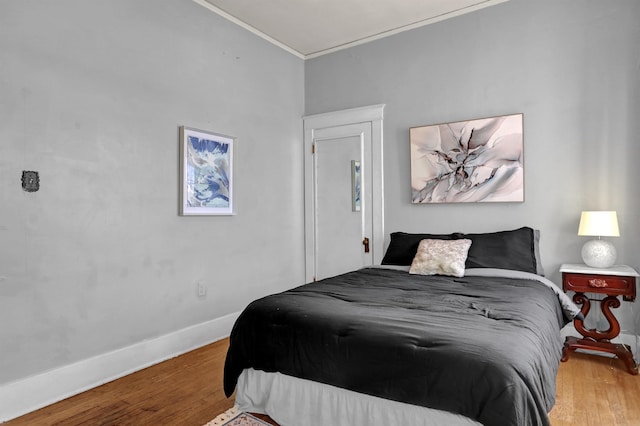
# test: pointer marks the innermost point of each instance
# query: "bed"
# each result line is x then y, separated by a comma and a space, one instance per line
456, 329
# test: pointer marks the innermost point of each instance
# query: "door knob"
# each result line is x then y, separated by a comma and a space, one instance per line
365, 242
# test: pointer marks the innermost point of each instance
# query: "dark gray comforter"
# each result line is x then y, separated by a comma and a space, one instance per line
484, 347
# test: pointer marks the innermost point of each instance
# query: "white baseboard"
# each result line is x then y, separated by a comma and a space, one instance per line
29, 394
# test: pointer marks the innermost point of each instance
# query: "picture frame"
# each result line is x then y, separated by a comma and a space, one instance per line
472, 161
206, 172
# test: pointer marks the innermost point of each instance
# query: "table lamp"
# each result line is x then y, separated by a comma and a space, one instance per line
599, 253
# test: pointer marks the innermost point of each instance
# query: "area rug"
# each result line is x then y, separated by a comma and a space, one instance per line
233, 417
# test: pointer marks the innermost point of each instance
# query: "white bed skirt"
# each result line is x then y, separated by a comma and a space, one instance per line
291, 401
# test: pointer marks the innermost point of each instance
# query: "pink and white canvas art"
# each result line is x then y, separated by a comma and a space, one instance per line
468, 161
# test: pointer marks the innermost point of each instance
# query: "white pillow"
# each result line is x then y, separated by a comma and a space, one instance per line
441, 257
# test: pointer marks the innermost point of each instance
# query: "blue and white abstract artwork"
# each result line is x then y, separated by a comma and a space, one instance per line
207, 173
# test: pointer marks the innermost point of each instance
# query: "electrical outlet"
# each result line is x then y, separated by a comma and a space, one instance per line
202, 290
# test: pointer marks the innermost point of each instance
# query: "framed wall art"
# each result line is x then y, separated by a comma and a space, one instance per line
468, 161
206, 173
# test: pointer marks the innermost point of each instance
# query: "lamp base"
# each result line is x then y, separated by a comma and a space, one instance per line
599, 254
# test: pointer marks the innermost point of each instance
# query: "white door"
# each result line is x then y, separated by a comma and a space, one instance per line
343, 222
343, 232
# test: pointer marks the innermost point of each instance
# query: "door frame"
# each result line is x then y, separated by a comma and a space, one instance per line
373, 115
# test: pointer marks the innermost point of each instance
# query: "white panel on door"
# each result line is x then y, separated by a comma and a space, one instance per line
341, 230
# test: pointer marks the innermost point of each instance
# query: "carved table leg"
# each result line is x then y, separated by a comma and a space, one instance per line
624, 353
599, 340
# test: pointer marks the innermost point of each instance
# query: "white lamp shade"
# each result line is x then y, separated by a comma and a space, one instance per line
599, 224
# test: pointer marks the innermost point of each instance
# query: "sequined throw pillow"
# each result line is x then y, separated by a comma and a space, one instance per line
441, 257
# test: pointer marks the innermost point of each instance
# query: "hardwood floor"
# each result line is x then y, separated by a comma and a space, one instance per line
187, 390
594, 390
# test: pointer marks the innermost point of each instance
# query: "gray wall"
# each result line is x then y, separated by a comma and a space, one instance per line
570, 66
91, 95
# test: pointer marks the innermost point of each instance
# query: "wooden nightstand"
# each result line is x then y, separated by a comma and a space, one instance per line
615, 281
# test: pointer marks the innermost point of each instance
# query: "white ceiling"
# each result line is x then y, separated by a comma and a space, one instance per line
310, 28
